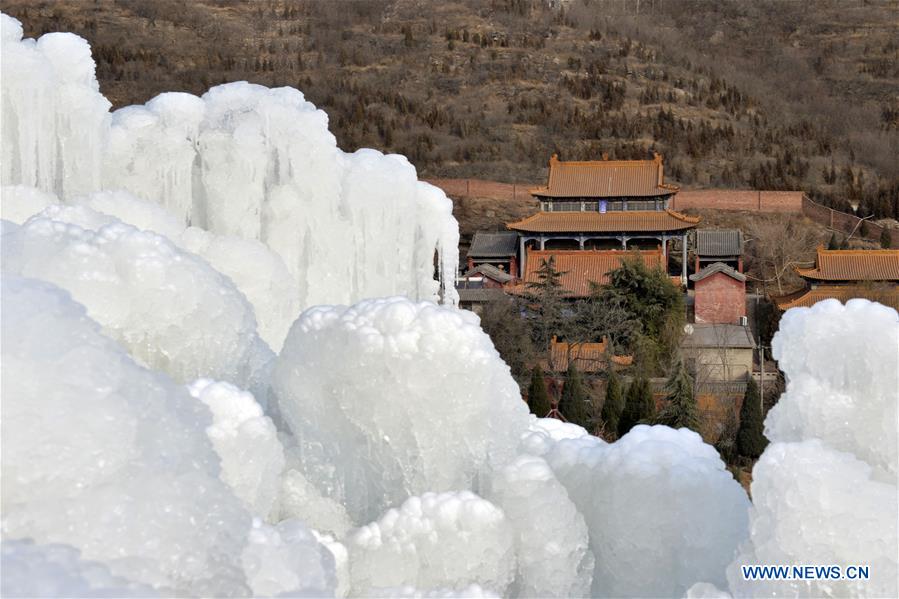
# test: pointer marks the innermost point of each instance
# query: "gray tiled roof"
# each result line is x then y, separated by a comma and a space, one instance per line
481, 295
717, 267
500, 244
488, 270
733, 336
711, 243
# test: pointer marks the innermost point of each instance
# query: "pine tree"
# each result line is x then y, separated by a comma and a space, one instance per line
751, 440
639, 407
538, 398
680, 409
545, 297
613, 405
834, 243
885, 238
573, 403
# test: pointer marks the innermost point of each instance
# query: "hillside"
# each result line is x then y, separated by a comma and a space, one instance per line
763, 94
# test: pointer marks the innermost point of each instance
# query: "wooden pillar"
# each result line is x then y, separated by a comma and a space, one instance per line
523, 255
683, 268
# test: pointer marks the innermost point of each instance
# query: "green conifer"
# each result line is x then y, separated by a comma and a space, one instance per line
751, 441
680, 409
573, 403
639, 407
613, 405
538, 398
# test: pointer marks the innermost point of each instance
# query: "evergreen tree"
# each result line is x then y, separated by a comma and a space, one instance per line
613, 405
751, 440
639, 407
834, 243
573, 403
885, 238
680, 409
545, 299
863, 229
538, 398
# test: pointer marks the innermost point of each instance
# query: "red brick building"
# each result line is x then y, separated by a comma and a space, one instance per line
719, 294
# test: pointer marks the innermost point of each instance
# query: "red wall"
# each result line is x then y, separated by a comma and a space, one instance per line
719, 299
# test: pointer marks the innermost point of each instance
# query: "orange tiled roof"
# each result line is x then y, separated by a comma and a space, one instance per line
605, 179
588, 357
581, 267
609, 222
853, 265
889, 295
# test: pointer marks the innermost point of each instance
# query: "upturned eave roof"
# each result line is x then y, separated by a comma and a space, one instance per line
658, 221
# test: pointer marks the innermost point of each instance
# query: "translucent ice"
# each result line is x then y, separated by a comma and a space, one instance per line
18, 202
662, 510
824, 491
391, 397
434, 541
245, 441
551, 541
169, 308
31, 570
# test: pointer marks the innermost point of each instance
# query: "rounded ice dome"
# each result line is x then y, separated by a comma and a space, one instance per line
396, 398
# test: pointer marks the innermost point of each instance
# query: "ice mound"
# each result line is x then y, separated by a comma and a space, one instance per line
31, 570
241, 161
390, 398
171, 310
139, 487
259, 273
543, 434
662, 510
824, 491
551, 540
107, 456
246, 442
18, 202
432, 542
815, 505
288, 560
848, 400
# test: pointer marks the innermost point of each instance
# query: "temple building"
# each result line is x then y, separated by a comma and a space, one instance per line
603, 205
582, 269
848, 274
719, 245
496, 248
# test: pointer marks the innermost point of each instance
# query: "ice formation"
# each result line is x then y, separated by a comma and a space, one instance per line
243, 160
824, 492
391, 398
246, 442
554, 559
138, 488
662, 510
18, 202
434, 541
169, 308
31, 570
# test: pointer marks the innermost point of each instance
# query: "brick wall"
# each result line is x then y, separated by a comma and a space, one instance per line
720, 299
737, 199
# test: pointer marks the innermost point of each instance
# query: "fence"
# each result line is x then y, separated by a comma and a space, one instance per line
845, 223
